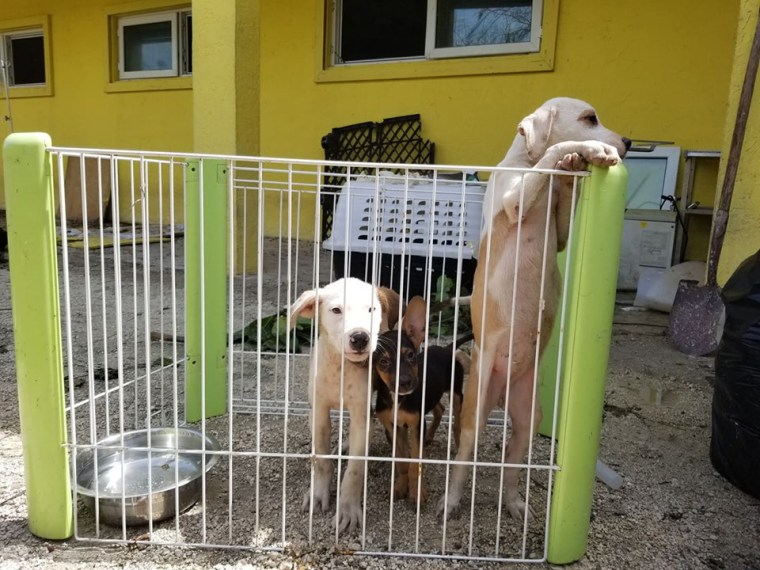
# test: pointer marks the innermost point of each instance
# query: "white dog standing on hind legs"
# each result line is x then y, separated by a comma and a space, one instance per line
562, 134
350, 314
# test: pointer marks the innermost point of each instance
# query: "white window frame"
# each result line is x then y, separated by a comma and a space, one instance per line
177, 19
6, 52
533, 45
184, 47
431, 52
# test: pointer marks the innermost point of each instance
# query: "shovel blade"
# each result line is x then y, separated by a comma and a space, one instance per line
696, 319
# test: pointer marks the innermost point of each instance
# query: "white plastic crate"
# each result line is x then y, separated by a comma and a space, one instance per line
400, 216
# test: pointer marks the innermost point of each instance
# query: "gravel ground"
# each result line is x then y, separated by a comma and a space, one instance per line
673, 510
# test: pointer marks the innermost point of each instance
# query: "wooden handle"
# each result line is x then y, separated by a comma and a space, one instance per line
734, 154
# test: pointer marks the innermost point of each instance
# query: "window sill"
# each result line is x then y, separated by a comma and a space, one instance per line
24, 92
488, 65
158, 84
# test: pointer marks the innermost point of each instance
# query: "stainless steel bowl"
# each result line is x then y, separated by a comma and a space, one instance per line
142, 484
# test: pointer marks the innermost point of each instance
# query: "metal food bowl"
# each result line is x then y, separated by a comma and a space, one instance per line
139, 485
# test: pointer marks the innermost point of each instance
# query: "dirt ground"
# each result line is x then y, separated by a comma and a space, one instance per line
672, 512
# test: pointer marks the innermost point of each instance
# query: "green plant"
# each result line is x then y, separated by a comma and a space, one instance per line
274, 331
442, 323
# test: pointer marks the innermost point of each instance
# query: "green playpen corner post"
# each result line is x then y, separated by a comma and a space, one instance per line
547, 377
592, 285
206, 229
30, 209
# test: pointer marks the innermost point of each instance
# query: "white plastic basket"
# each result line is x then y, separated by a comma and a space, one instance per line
390, 215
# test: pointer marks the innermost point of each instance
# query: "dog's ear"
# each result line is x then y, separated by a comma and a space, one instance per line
414, 322
305, 306
389, 301
536, 129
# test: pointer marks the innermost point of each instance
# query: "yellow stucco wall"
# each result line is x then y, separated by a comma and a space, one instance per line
81, 111
226, 96
743, 233
654, 70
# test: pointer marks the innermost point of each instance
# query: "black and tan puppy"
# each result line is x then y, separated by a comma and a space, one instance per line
398, 377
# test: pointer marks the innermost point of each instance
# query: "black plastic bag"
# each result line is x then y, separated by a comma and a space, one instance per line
735, 444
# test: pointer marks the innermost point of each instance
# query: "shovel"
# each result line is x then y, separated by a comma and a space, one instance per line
697, 314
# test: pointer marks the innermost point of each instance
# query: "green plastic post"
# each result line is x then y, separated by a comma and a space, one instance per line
547, 379
205, 288
591, 304
30, 204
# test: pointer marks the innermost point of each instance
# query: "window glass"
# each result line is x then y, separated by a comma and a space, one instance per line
467, 23
27, 60
382, 29
148, 47
188, 43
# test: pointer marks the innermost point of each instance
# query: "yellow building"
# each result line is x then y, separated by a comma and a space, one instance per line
265, 77
742, 237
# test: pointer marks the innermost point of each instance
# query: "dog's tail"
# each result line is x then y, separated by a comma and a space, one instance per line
467, 337
464, 359
449, 303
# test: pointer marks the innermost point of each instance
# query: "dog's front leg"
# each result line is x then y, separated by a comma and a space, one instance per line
416, 484
401, 485
349, 511
565, 197
564, 190
456, 405
569, 155
323, 468
438, 410
476, 396
524, 425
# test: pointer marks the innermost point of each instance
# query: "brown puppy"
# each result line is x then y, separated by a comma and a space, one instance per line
401, 375
561, 134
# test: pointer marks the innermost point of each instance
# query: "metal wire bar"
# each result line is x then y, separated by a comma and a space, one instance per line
259, 315
145, 212
289, 295
314, 162
561, 344
230, 324
103, 289
69, 350
378, 553
175, 358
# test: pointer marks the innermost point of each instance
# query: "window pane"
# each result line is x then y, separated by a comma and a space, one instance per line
477, 23
28, 60
148, 47
188, 47
646, 182
382, 29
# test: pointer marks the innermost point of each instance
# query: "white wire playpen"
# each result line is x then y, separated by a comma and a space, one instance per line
175, 291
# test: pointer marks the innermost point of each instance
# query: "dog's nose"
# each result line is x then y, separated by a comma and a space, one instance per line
359, 340
627, 143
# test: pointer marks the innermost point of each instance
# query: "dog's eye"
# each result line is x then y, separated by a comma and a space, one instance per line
410, 356
593, 120
336, 310
383, 362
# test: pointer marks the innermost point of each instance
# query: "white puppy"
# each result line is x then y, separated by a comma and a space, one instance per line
350, 315
561, 134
